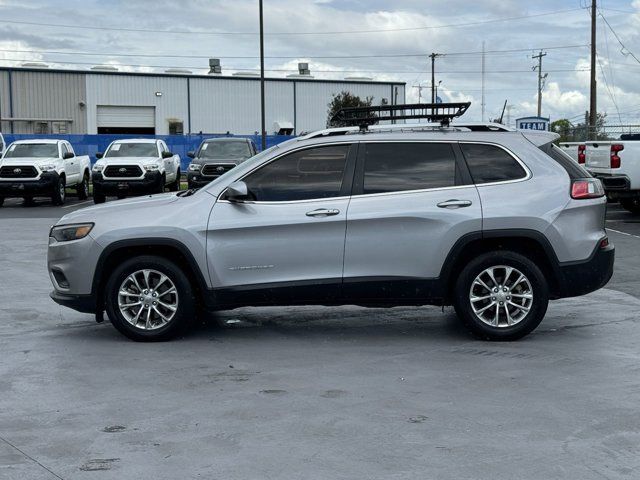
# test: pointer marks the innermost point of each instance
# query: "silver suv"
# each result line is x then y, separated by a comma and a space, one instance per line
495, 223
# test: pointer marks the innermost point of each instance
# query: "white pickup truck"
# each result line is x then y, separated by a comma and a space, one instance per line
2, 145
43, 168
135, 166
617, 164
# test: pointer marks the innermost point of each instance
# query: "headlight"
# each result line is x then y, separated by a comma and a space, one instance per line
98, 168
66, 233
47, 168
151, 168
195, 167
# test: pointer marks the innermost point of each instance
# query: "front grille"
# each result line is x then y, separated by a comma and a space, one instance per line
215, 170
18, 171
122, 171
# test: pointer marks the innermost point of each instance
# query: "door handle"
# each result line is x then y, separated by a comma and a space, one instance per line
455, 204
323, 212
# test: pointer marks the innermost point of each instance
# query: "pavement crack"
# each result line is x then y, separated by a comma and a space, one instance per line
31, 458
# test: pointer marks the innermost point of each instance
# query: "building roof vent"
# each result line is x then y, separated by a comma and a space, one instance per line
303, 71
246, 74
105, 68
178, 71
35, 65
214, 66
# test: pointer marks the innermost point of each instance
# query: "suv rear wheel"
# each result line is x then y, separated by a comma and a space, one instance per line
501, 295
149, 298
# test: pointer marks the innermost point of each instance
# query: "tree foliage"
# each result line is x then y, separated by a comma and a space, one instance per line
342, 100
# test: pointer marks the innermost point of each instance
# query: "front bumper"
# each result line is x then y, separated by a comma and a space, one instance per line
45, 186
197, 180
80, 303
150, 183
580, 278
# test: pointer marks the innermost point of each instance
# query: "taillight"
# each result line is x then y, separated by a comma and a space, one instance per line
582, 157
586, 188
615, 158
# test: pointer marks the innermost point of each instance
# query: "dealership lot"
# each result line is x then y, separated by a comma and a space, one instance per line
315, 392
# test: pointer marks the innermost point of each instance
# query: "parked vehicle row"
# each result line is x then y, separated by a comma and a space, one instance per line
47, 168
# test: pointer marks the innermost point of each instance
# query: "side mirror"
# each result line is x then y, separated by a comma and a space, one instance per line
99, 155
67, 155
191, 154
167, 154
237, 192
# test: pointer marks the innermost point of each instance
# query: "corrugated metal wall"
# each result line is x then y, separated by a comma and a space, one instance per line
203, 104
138, 91
39, 94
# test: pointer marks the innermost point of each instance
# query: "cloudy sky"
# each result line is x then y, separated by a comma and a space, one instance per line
386, 40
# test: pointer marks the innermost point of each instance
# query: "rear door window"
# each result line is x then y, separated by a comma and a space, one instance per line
398, 167
490, 163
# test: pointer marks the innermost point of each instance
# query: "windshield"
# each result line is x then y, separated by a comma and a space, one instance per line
132, 150
36, 150
224, 150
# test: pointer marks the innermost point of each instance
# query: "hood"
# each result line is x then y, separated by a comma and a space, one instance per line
126, 160
28, 161
121, 208
215, 161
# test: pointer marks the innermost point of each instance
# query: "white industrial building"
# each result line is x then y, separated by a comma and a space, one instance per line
37, 99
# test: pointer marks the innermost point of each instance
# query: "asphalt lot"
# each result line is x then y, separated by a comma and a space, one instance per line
315, 393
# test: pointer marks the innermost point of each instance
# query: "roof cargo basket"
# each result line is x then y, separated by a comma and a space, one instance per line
362, 117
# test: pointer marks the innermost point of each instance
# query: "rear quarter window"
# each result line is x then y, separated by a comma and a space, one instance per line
572, 168
490, 164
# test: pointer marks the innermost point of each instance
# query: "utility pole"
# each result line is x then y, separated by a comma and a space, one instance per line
541, 78
420, 88
593, 104
263, 130
433, 57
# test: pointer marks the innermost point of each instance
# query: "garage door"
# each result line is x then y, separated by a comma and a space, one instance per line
117, 119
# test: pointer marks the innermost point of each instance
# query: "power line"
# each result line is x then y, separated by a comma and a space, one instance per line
283, 57
201, 67
624, 48
275, 34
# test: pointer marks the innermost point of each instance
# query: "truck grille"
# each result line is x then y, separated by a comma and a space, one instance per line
18, 171
215, 170
122, 171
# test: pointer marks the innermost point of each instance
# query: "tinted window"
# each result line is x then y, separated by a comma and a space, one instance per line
303, 175
222, 150
132, 150
573, 169
396, 167
489, 163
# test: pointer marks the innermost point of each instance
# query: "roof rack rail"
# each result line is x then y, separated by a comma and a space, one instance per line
362, 117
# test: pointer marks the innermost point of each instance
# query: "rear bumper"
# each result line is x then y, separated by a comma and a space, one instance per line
580, 278
45, 186
149, 184
80, 303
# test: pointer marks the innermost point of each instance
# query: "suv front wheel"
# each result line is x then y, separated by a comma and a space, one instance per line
501, 295
149, 298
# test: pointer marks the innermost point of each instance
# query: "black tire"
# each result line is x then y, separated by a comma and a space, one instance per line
631, 204
99, 197
82, 188
186, 302
175, 186
121, 196
58, 196
538, 305
160, 187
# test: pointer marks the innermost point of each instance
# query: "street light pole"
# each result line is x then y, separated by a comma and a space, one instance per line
263, 129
